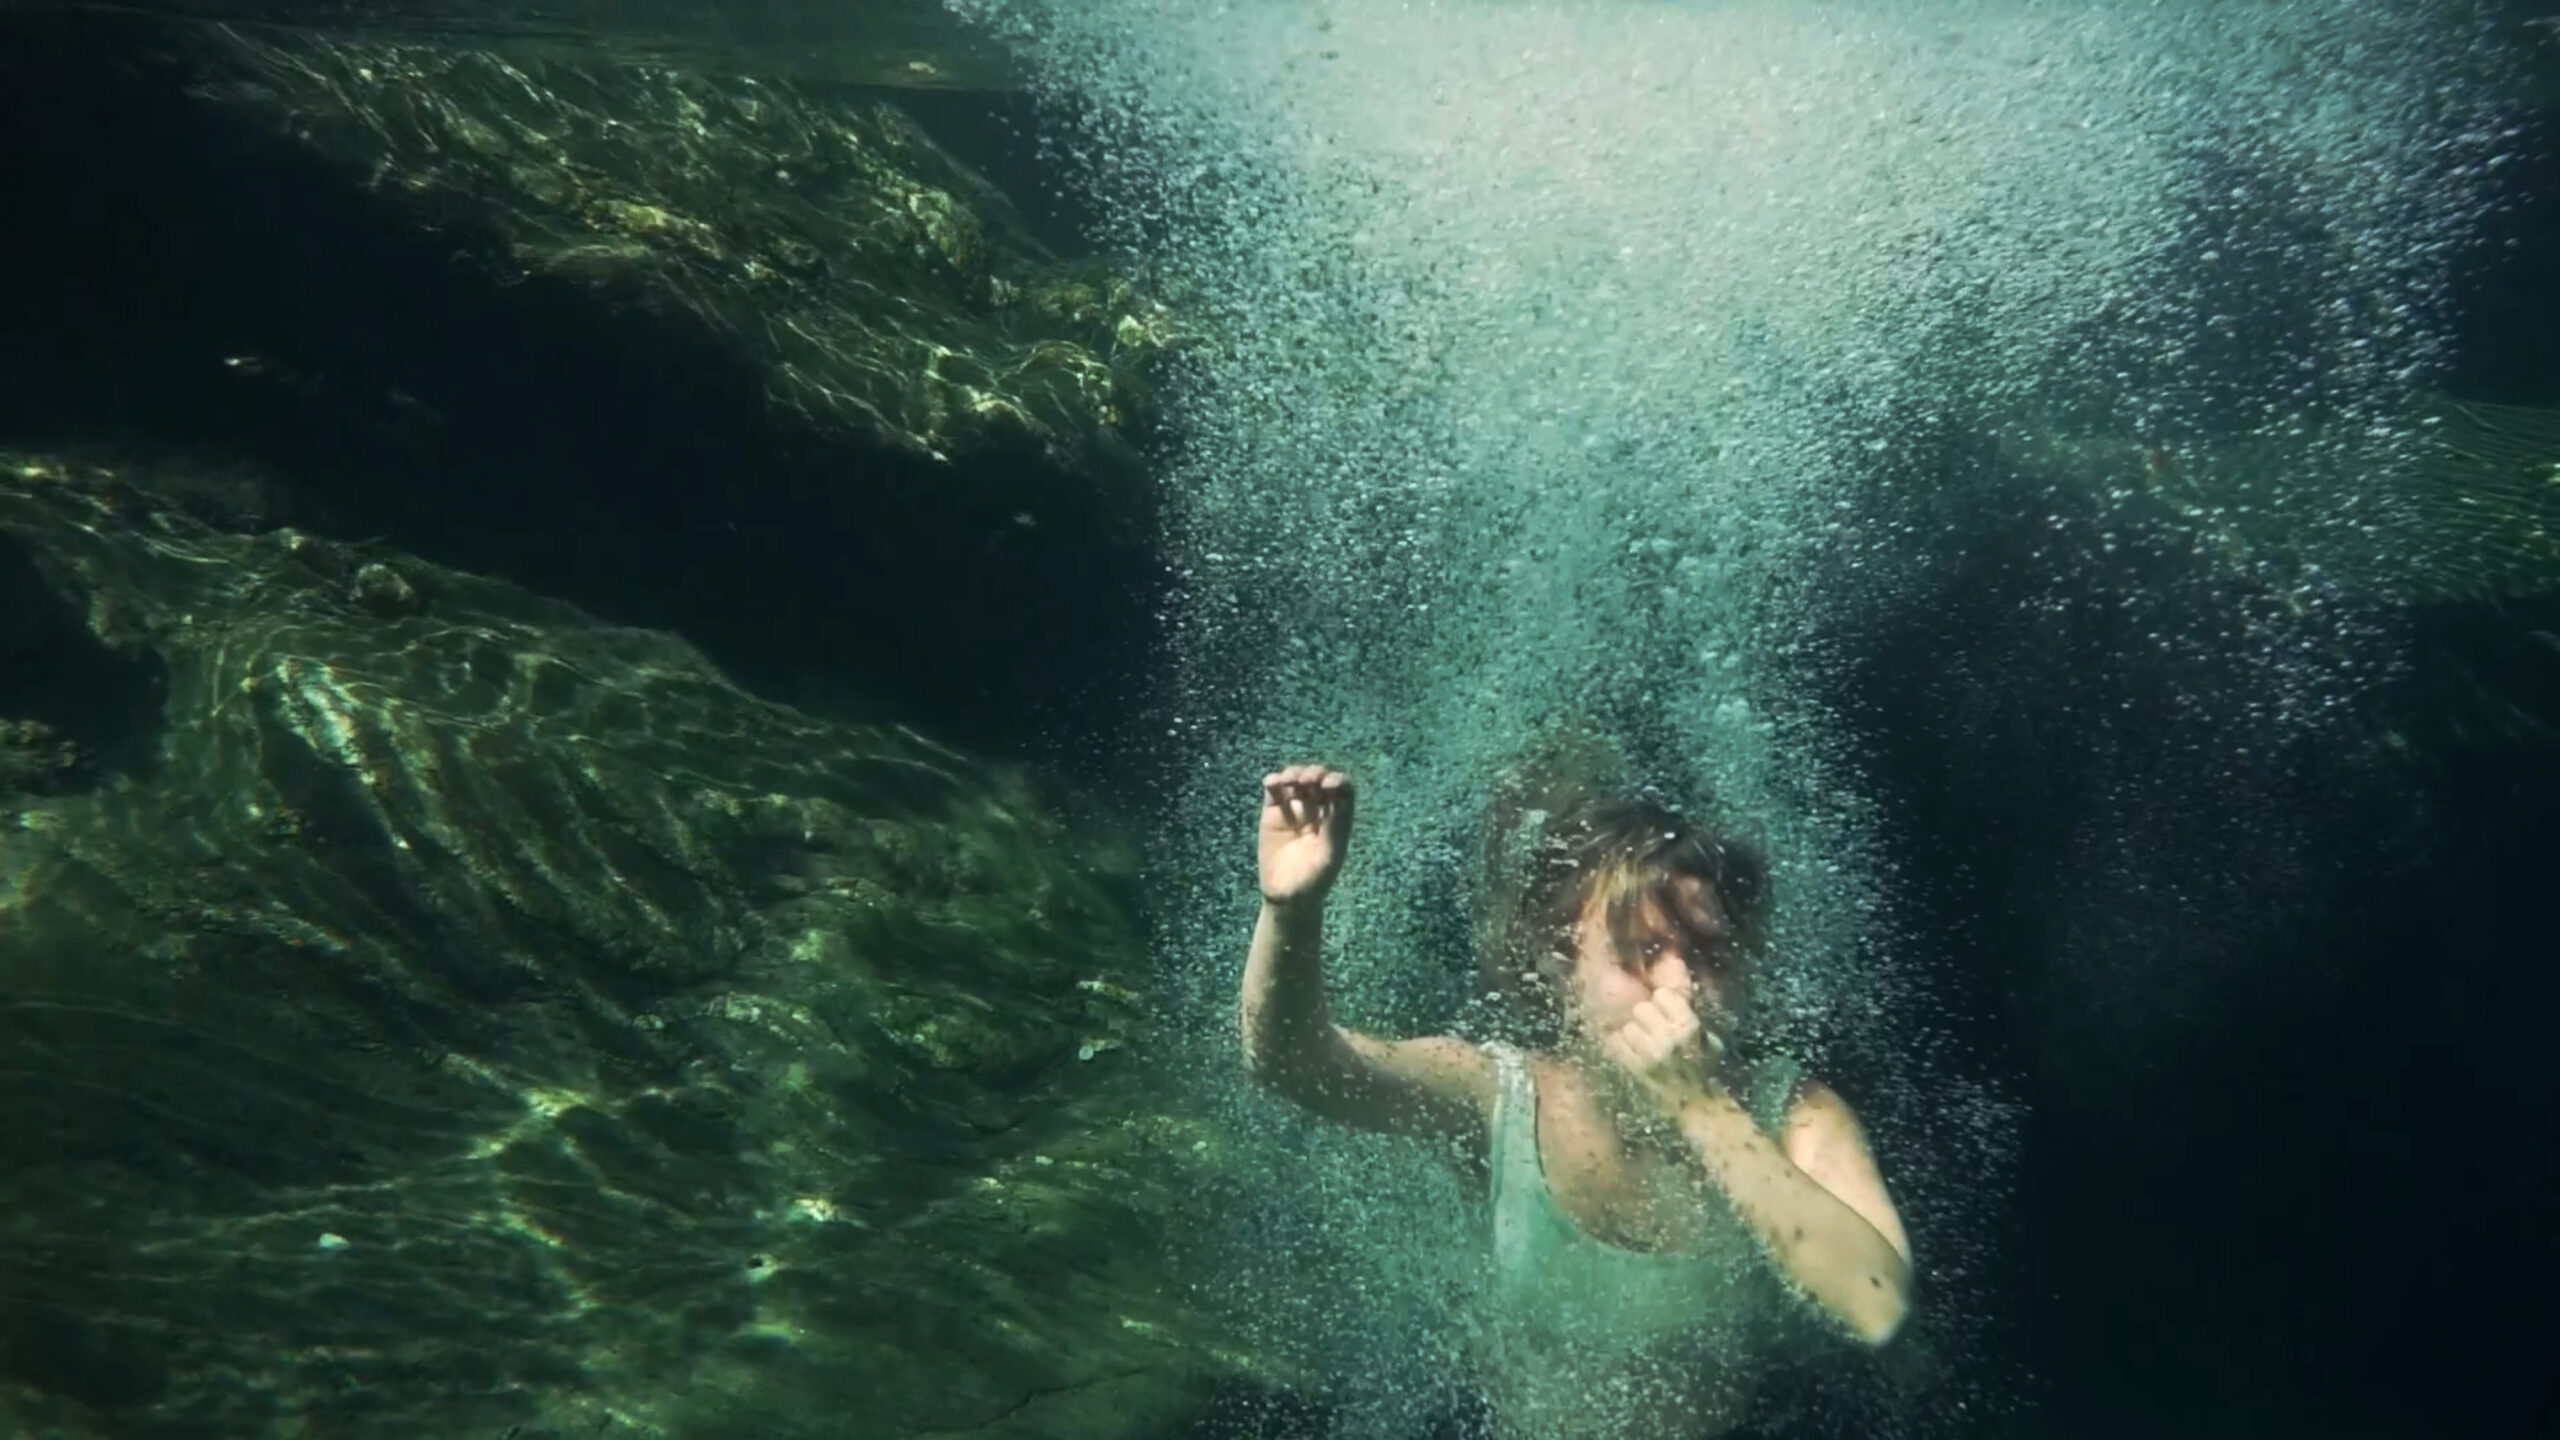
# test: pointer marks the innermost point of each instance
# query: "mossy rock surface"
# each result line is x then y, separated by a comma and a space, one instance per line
454, 1015
880, 287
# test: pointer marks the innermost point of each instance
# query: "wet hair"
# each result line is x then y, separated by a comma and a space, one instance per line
1569, 827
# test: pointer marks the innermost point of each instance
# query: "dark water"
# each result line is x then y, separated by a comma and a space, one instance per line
2306, 1199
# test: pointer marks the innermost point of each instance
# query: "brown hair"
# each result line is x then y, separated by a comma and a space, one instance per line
1569, 827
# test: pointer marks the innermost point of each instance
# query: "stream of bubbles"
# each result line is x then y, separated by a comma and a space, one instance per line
1556, 359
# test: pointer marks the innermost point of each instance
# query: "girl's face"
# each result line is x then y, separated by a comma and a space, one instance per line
1681, 940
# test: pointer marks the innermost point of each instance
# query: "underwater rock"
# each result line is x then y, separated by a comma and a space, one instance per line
478, 1020
757, 365
878, 285
386, 592
899, 44
2467, 510
34, 760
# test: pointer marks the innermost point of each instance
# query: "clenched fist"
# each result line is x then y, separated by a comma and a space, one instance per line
1665, 1051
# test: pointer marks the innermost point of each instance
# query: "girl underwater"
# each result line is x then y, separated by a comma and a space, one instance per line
1660, 1201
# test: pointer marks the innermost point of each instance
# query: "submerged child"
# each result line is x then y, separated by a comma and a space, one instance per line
1648, 1183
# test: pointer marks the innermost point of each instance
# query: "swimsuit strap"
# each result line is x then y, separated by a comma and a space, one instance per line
1515, 1121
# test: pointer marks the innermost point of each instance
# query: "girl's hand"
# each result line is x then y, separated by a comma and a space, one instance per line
1665, 1051
1306, 829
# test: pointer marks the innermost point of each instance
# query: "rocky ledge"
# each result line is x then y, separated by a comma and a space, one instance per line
432, 1011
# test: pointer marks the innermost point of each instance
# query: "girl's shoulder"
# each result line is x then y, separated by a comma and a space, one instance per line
1768, 1085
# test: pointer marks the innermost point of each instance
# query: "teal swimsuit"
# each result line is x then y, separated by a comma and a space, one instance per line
1587, 1329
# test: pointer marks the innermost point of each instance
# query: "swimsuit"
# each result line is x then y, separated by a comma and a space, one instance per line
1588, 1328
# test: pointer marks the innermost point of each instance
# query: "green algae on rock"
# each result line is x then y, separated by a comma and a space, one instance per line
879, 286
900, 44
443, 1016
2465, 507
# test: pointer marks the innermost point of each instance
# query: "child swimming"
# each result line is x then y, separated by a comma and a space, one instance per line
1655, 1194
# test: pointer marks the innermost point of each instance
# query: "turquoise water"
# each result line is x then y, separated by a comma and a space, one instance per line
635, 642
1641, 360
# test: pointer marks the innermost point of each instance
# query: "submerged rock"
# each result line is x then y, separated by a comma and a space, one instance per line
2466, 509
878, 285
462, 1017
757, 363
33, 758
902, 44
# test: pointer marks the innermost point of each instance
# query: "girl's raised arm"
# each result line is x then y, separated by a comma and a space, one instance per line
1434, 1087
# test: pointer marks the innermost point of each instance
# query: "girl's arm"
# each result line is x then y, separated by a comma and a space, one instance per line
1436, 1087
1818, 1203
